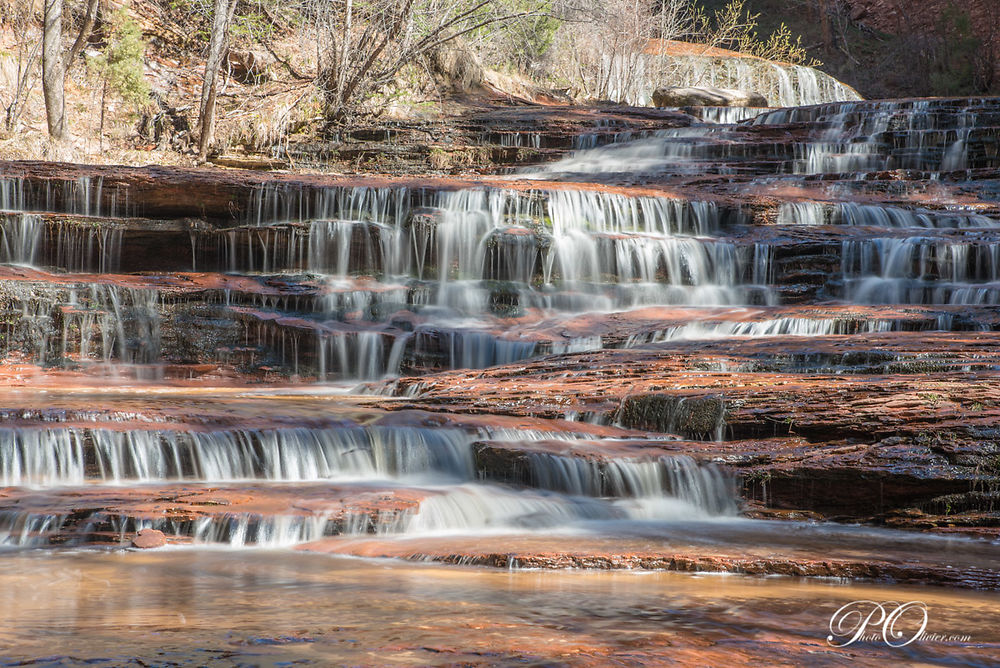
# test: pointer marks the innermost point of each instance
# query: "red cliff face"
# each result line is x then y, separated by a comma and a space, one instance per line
928, 19
906, 16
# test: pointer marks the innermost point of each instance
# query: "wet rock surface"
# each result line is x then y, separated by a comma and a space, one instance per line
790, 317
146, 539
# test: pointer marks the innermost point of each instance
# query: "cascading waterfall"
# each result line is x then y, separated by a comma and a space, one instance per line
435, 466
468, 255
782, 85
83, 196
96, 321
359, 355
708, 330
842, 138
921, 270
883, 135
726, 115
280, 203
88, 249
129, 323
367, 283
679, 477
19, 529
463, 261
872, 215
74, 456
27, 239
22, 238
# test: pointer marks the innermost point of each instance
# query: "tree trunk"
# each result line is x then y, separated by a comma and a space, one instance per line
89, 19
216, 49
824, 8
53, 70
104, 104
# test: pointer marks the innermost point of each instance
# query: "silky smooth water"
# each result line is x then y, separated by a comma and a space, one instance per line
191, 607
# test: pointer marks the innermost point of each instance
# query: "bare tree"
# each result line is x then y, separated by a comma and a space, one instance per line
19, 17
620, 50
87, 27
604, 44
363, 46
218, 42
53, 70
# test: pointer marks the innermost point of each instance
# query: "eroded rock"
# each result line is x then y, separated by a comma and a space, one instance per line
675, 96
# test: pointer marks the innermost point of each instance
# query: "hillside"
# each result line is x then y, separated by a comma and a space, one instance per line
444, 111
894, 48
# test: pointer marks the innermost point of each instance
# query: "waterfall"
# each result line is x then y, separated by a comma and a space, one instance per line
75, 455
617, 489
355, 355
839, 138
20, 529
726, 115
84, 196
557, 249
783, 85
95, 321
864, 137
704, 487
434, 468
921, 270
283, 203
88, 249
22, 238
707, 330
28, 240
874, 215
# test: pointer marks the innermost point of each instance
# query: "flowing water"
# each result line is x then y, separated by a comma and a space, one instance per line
148, 400
273, 609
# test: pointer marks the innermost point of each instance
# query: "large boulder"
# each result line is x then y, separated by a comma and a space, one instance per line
676, 96
456, 65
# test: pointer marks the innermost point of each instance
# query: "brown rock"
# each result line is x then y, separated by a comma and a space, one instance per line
251, 67
148, 539
457, 65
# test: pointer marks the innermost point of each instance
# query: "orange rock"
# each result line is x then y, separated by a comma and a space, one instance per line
148, 539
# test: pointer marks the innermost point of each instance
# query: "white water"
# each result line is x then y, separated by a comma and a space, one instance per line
921, 270
436, 465
872, 215
84, 196
782, 85
90, 322
413, 280
22, 237
64, 456
708, 330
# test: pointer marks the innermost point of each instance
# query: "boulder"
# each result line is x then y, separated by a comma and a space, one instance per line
149, 538
250, 67
456, 65
675, 96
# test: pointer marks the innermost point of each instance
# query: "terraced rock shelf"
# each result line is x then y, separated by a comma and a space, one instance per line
761, 347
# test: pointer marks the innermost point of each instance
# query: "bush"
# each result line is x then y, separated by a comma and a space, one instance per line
119, 65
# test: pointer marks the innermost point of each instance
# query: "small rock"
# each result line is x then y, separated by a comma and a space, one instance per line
149, 538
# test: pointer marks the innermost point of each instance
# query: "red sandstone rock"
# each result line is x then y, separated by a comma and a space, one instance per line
149, 538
